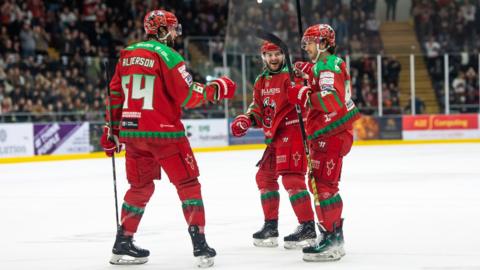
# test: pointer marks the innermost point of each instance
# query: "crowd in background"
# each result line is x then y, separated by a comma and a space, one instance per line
447, 26
363, 72
52, 52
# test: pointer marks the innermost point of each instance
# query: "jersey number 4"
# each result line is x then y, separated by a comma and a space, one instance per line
134, 83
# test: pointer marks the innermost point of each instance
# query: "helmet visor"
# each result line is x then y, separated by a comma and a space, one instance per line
177, 28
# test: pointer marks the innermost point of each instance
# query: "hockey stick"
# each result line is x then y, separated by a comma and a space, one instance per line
300, 33
277, 41
300, 26
110, 135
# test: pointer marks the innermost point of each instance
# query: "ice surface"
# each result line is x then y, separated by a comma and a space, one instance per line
405, 207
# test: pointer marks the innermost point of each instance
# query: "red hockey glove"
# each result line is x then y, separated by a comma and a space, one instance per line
303, 69
225, 87
110, 144
240, 125
298, 94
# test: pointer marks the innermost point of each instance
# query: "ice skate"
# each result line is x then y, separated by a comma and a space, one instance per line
267, 236
124, 252
304, 236
329, 248
204, 254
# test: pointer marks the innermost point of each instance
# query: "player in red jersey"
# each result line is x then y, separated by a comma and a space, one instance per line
284, 155
148, 90
331, 112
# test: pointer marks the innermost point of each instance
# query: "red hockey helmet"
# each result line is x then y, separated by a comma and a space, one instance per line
318, 33
269, 47
160, 18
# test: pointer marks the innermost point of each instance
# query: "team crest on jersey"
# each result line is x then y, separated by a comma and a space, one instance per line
269, 108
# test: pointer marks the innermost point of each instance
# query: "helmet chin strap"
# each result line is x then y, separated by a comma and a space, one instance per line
164, 38
319, 51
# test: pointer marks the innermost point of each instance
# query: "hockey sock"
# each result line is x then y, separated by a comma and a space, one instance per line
190, 194
133, 206
331, 212
301, 204
270, 203
299, 196
131, 216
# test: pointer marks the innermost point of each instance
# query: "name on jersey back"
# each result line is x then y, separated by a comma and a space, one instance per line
136, 60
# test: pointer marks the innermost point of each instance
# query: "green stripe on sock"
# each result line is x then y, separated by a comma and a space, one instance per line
192, 202
298, 195
133, 209
269, 195
330, 201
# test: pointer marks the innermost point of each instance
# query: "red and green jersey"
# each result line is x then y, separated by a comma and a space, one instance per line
330, 107
148, 90
270, 108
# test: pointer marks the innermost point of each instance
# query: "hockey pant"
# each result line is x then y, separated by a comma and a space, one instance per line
327, 155
284, 157
143, 163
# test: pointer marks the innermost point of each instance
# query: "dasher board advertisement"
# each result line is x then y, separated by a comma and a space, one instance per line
16, 140
431, 127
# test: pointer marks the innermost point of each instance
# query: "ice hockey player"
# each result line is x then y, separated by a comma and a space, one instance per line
330, 114
148, 90
284, 155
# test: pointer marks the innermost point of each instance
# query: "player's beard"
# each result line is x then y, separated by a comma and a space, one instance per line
170, 42
274, 67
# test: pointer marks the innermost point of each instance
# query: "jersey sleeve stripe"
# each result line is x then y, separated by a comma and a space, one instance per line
320, 100
190, 90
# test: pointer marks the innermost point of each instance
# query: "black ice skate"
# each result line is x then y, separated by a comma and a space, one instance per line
330, 248
304, 236
125, 252
267, 236
201, 250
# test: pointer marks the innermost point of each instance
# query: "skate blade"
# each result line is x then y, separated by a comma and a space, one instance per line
300, 244
327, 256
269, 242
204, 261
127, 260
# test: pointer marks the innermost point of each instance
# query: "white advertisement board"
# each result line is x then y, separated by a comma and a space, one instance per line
16, 140
206, 132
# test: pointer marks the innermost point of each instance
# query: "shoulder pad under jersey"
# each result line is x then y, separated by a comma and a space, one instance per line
332, 64
169, 56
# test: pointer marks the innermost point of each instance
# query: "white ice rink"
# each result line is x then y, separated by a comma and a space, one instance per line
405, 207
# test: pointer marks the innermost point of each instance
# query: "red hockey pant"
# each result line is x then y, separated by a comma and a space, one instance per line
327, 154
143, 163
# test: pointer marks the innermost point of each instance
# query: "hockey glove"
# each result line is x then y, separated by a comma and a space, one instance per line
303, 69
225, 87
298, 94
240, 125
110, 143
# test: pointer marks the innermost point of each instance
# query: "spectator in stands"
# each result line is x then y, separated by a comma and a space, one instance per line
419, 107
391, 9
372, 25
393, 70
432, 48
459, 89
